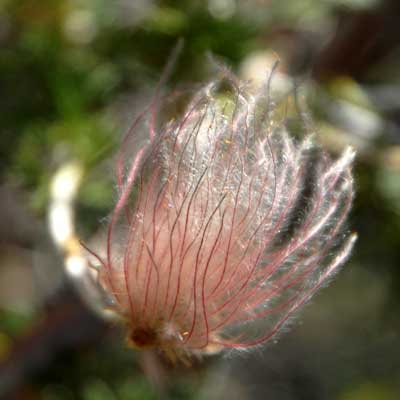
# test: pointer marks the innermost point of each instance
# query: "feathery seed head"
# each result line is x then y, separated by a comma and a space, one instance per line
229, 225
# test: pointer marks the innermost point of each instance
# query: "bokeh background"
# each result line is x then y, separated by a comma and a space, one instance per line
73, 73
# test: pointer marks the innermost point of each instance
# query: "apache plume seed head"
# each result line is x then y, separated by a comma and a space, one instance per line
226, 225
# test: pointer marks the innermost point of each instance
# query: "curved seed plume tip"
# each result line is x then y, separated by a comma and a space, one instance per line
229, 225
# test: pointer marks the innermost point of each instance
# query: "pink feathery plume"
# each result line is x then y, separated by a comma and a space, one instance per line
226, 224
